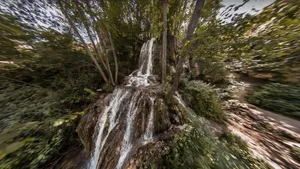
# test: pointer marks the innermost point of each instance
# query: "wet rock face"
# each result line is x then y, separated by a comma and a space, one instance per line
146, 155
146, 141
162, 117
87, 124
133, 116
132, 127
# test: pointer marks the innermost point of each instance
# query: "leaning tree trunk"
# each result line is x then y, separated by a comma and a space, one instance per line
115, 57
164, 54
191, 28
84, 44
96, 49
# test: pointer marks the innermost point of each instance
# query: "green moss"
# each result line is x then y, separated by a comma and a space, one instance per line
295, 152
203, 100
279, 98
107, 88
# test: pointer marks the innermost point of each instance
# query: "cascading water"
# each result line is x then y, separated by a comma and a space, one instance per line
140, 76
126, 140
118, 96
149, 131
118, 118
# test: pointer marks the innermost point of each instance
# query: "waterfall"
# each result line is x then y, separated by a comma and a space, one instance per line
126, 140
125, 102
140, 77
149, 131
118, 96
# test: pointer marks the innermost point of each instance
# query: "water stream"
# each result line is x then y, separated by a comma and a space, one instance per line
120, 113
149, 131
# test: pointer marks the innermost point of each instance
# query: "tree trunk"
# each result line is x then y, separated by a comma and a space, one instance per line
84, 44
115, 56
164, 54
96, 48
191, 28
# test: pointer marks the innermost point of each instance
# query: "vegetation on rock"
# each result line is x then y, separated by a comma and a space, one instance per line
197, 147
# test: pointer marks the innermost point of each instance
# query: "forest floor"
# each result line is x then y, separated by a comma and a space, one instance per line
271, 137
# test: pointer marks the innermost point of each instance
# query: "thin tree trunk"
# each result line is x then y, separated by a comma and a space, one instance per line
191, 28
113, 49
95, 48
101, 49
84, 44
164, 54
115, 56
97, 27
106, 65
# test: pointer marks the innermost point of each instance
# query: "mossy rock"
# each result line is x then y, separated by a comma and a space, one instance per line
107, 88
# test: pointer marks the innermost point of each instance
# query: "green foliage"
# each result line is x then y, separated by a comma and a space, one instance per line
107, 88
203, 100
208, 56
57, 40
40, 88
236, 143
167, 86
37, 144
269, 42
10, 29
195, 147
280, 98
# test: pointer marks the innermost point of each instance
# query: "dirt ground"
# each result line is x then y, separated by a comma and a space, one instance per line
270, 136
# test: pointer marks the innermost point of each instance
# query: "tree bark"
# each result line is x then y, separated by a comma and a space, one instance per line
115, 56
164, 54
191, 28
96, 48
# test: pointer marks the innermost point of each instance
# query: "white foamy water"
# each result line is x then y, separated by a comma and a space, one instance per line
140, 77
149, 131
126, 147
125, 97
118, 97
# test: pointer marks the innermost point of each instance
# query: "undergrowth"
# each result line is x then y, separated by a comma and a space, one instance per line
197, 147
44, 89
279, 98
204, 101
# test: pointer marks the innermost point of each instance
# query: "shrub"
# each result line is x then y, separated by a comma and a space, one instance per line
39, 93
196, 148
203, 100
212, 69
280, 98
